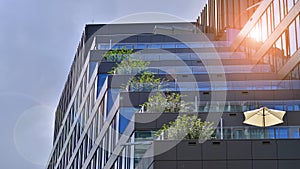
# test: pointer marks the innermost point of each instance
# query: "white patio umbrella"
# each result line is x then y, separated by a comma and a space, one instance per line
264, 117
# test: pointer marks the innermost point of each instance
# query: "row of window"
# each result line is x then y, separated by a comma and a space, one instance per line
185, 56
77, 134
242, 106
229, 133
99, 157
69, 122
176, 45
216, 86
104, 150
124, 160
262, 68
69, 88
107, 143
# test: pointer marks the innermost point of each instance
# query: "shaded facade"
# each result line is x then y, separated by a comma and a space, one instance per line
253, 59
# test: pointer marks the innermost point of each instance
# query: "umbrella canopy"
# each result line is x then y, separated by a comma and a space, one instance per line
264, 117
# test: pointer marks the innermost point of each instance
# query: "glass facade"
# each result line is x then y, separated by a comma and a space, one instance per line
94, 124
260, 39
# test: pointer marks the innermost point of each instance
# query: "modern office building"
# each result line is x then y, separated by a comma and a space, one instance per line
237, 56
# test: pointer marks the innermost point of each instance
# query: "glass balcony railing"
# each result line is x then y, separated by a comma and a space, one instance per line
169, 45
214, 69
234, 133
219, 86
185, 69
242, 106
231, 133
187, 56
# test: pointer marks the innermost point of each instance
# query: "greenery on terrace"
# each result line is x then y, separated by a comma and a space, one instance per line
144, 80
169, 103
117, 55
186, 127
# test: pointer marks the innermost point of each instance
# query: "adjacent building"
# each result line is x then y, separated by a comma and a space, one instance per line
237, 56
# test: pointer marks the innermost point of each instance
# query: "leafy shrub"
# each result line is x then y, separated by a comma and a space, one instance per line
171, 103
118, 55
144, 82
187, 127
129, 66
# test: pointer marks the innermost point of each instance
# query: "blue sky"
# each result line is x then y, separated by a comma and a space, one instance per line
38, 40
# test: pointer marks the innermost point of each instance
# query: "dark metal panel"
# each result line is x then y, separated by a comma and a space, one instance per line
288, 164
214, 150
165, 119
189, 150
288, 149
189, 164
165, 150
293, 118
238, 164
214, 165
264, 164
264, 149
146, 121
233, 119
164, 164
239, 150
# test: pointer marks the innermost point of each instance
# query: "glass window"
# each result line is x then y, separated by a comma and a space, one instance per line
111, 98
282, 133
298, 30
100, 83
290, 4
103, 47
168, 45
279, 107
153, 46
140, 46
181, 45
91, 68
292, 38
125, 117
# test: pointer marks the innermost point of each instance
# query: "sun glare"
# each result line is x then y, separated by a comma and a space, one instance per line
255, 34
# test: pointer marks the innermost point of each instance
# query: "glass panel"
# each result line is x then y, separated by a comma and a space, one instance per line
181, 45
100, 83
111, 98
292, 38
168, 45
126, 114
153, 46
290, 4
140, 46
298, 30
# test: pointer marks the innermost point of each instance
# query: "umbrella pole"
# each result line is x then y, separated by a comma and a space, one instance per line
264, 122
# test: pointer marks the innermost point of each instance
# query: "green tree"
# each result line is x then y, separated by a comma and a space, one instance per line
187, 127
171, 103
